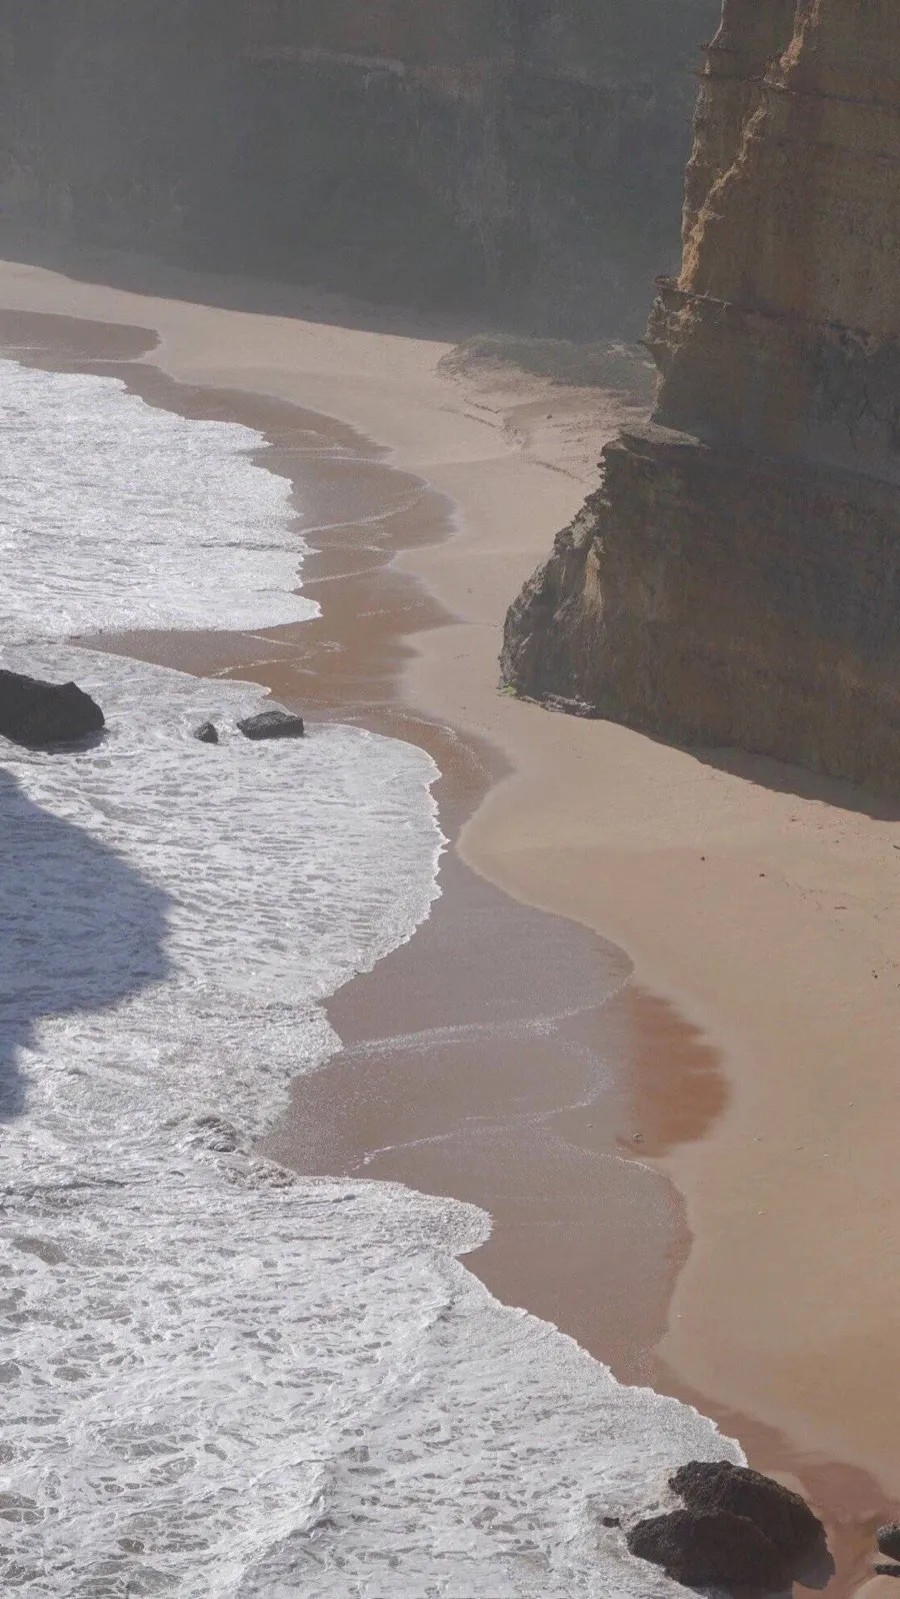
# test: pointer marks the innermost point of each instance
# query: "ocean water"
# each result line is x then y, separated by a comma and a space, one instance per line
116, 516
217, 1379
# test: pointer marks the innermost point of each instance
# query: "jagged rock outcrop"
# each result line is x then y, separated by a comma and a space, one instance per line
736, 579
523, 156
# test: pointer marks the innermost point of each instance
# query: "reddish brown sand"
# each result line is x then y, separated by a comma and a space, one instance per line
503, 1056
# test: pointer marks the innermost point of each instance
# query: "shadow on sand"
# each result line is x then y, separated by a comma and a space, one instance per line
782, 778
79, 929
145, 274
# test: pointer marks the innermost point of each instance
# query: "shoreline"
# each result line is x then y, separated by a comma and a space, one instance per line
500, 837
427, 1050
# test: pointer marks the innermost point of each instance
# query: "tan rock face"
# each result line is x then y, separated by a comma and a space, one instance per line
738, 579
782, 327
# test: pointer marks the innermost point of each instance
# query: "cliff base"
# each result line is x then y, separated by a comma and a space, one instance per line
718, 597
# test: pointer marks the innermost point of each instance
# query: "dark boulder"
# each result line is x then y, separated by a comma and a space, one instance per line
272, 724
888, 1539
206, 733
722, 1549
40, 714
706, 1486
737, 1529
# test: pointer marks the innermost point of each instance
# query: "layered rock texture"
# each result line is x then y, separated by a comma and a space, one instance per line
736, 579
521, 156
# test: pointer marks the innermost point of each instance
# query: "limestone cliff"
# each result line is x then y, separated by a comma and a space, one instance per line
523, 156
736, 579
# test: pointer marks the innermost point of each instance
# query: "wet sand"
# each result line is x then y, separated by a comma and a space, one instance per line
503, 1056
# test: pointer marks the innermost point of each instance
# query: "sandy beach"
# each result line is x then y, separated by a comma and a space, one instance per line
757, 999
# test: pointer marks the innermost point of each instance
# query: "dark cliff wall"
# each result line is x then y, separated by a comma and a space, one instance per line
736, 580
523, 156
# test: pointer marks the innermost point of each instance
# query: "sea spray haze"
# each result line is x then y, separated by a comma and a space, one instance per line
519, 157
219, 1379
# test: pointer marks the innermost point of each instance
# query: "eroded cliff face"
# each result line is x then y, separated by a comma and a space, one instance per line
736, 580
518, 155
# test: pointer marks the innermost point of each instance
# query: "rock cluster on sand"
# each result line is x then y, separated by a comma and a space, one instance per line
40, 714
736, 580
736, 1529
272, 724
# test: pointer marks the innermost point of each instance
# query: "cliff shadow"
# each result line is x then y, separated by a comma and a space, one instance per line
393, 301
330, 301
224, 289
80, 930
782, 778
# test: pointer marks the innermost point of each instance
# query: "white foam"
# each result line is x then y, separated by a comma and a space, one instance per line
115, 515
217, 1381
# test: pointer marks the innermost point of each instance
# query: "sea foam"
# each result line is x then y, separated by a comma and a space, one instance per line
116, 515
220, 1380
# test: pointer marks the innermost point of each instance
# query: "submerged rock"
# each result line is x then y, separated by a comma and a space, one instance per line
206, 733
39, 714
737, 1529
272, 724
888, 1539
217, 1135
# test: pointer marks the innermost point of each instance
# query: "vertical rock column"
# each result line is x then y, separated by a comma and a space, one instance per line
736, 579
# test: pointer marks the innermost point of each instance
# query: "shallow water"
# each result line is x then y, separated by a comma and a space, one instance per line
219, 1380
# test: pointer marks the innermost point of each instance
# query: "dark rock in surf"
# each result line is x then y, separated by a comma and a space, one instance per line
721, 1549
272, 724
888, 1539
706, 1486
40, 714
738, 1528
206, 733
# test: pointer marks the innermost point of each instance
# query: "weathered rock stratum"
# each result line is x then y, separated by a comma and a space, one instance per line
736, 578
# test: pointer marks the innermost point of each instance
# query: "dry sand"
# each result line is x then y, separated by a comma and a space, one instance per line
760, 902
